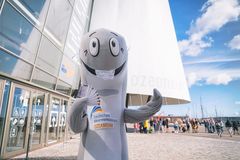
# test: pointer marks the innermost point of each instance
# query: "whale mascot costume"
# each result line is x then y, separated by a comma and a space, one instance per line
99, 113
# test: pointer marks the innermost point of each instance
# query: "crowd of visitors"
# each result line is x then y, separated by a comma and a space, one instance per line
167, 125
212, 126
163, 124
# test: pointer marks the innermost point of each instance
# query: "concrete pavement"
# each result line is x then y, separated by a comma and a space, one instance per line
157, 146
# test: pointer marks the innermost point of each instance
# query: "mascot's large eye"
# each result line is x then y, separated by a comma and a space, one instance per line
114, 46
94, 47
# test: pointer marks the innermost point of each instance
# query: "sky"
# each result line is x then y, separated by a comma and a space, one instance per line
208, 34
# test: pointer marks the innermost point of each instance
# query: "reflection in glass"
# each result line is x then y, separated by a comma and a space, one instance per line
14, 66
18, 120
63, 87
1, 3
49, 57
3, 109
17, 34
53, 121
78, 26
35, 11
76, 30
37, 118
67, 71
58, 20
43, 79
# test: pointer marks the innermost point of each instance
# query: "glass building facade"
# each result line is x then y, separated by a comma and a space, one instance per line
39, 70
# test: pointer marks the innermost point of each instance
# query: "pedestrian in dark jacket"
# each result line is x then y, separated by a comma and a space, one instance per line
228, 125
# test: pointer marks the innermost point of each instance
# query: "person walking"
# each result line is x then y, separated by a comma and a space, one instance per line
136, 127
212, 125
164, 125
141, 127
219, 128
160, 123
167, 126
151, 122
228, 125
205, 125
145, 126
188, 126
176, 125
235, 127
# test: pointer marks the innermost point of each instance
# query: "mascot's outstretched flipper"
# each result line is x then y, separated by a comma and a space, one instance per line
100, 114
78, 119
144, 112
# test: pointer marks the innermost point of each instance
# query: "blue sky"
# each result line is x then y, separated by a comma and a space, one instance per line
208, 33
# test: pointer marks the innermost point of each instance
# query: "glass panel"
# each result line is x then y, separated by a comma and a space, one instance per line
58, 20
18, 120
62, 120
76, 81
37, 117
78, 26
67, 70
43, 79
53, 122
82, 9
14, 66
3, 108
49, 57
17, 34
63, 87
35, 11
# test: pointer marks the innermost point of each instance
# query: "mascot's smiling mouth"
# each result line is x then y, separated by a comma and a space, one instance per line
104, 74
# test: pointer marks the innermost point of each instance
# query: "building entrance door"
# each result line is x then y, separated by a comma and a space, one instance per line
53, 119
24, 123
57, 119
36, 134
18, 120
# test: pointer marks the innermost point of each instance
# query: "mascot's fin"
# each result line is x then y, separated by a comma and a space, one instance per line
77, 115
145, 111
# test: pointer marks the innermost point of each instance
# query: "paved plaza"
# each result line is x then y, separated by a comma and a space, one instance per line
157, 146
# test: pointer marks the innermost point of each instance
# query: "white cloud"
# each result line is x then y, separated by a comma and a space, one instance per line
235, 42
210, 76
219, 79
193, 48
193, 78
215, 14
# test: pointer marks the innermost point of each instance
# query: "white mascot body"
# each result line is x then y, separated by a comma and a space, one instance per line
100, 112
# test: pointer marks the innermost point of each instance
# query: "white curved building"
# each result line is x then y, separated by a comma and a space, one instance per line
154, 57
